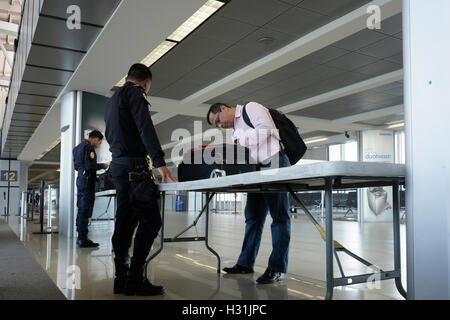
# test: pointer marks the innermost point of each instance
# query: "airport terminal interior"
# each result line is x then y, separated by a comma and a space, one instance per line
361, 80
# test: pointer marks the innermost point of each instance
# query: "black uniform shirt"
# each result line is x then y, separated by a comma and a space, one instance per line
129, 127
85, 158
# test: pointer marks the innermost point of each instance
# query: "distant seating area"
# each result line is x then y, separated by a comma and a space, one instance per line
312, 200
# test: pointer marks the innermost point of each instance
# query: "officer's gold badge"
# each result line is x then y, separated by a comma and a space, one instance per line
146, 98
92, 155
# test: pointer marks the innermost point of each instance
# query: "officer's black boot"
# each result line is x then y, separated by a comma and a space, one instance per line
122, 266
137, 284
85, 242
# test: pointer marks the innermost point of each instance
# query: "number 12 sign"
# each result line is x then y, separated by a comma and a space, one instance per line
8, 175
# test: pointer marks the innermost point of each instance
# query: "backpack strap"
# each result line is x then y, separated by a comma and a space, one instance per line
246, 118
249, 123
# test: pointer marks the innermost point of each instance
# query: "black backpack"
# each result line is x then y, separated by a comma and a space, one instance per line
293, 144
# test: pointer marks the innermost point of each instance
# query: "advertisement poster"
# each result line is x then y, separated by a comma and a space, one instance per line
377, 146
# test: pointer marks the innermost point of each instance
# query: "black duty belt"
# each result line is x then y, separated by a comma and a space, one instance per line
131, 162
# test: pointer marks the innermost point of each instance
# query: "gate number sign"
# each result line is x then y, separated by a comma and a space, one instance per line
8, 175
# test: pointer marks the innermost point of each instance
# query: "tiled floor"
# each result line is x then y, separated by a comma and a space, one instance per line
189, 271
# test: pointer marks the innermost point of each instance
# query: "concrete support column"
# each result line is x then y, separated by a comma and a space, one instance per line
70, 137
426, 51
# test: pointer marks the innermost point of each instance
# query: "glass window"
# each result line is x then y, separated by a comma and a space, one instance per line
400, 147
351, 151
334, 152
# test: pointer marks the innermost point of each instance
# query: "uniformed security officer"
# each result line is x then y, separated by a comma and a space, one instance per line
85, 160
132, 136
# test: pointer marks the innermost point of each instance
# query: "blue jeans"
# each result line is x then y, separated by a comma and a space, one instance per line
255, 215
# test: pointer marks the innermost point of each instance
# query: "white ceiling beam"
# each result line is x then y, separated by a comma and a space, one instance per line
345, 91
370, 115
46, 163
10, 29
161, 117
316, 40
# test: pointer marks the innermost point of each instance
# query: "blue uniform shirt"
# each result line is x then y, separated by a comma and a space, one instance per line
85, 159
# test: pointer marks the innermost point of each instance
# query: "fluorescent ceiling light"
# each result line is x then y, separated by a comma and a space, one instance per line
195, 20
180, 33
153, 56
397, 125
316, 139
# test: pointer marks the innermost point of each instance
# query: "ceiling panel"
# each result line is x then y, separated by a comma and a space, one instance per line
50, 76
27, 116
53, 155
17, 129
378, 68
333, 110
221, 67
201, 46
383, 49
30, 109
384, 120
289, 70
318, 133
54, 57
359, 40
267, 40
42, 89
335, 8
397, 58
298, 21
392, 25
75, 39
255, 12
24, 124
351, 61
95, 12
34, 99
292, 2
164, 130
324, 55
225, 29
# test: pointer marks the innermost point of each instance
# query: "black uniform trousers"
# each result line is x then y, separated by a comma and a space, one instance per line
85, 203
137, 206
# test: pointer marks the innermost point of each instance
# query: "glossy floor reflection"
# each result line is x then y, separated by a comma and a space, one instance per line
189, 270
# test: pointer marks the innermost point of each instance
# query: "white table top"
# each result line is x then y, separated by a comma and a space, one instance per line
300, 177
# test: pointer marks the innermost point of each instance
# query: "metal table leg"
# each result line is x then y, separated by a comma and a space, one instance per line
329, 238
206, 235
397, 253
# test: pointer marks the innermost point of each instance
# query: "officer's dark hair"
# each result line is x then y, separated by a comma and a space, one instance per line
96, 134
139, 72
214, 109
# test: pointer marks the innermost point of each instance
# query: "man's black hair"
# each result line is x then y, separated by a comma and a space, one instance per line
139, 72
215, 108
96, 134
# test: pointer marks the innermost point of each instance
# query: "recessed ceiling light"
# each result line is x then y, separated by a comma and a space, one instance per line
266, 40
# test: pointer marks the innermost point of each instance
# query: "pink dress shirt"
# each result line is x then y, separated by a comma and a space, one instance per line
263, 141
